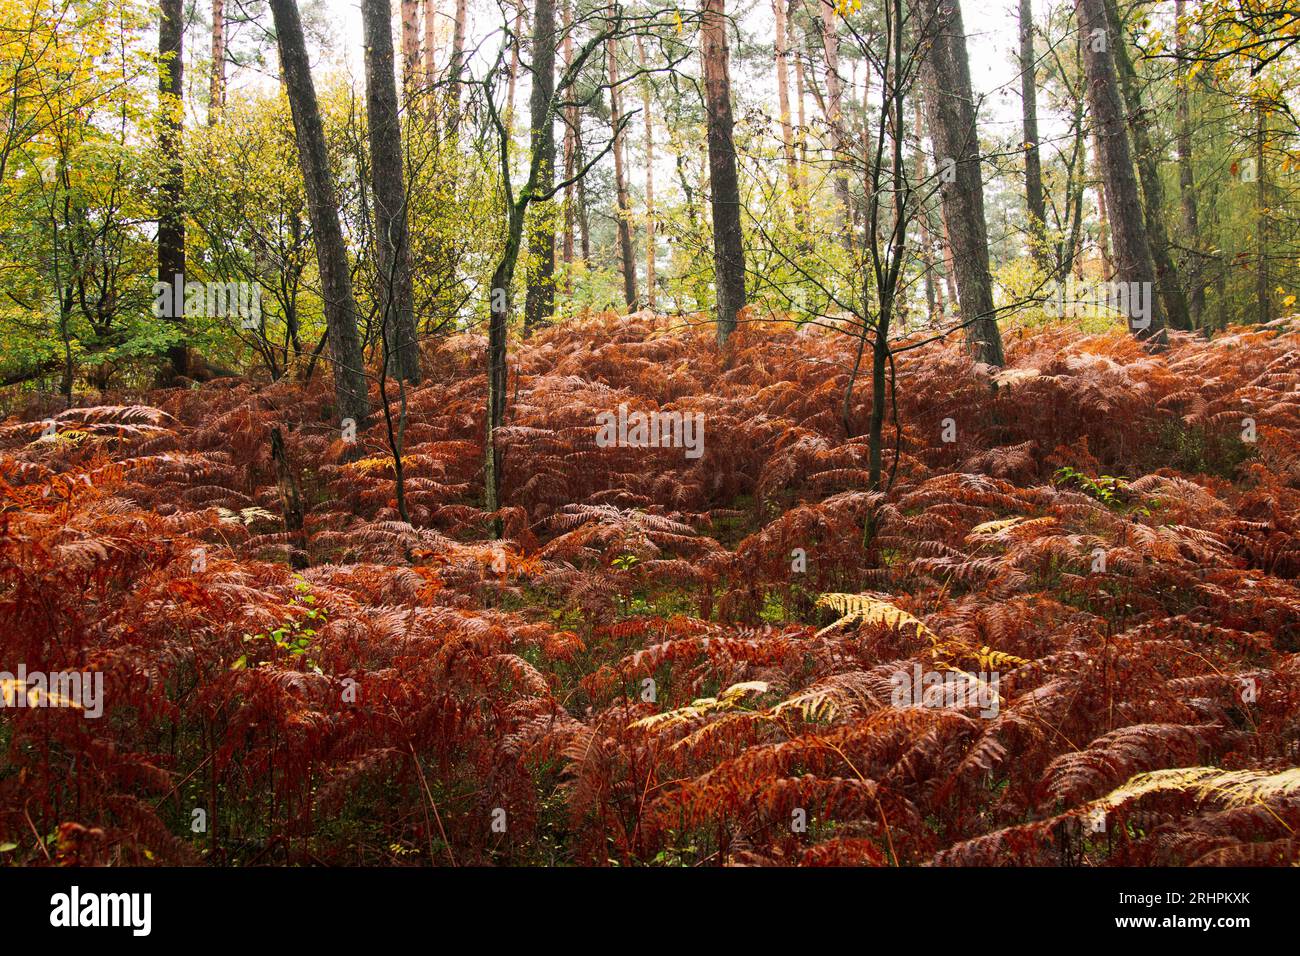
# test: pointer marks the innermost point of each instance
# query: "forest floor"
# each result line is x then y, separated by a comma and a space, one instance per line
1068, 633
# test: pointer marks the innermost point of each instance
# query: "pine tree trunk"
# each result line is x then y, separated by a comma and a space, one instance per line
783, 103
648, 118
456, 67
171, 218
539, 302
724, 182
331, 253
934, 301
1168, 284
429, 9
834, 114
570, 156
626, 252
392, 236
1263, 279
801, 135
1029, 112
584, 220
217, 91
1103, 217
1132, 249
951, 108
514, 67
410, 47
1186, 178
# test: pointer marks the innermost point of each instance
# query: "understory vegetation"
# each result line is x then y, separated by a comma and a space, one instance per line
670, 660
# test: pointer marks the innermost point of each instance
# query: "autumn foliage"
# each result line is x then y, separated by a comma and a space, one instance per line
637, 673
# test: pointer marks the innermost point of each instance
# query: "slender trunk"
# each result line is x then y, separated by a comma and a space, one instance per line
456, 66
498, 319
539, 303
950, 104
570, 155
783, 102
648, 117
1263, 279
1168, 285
1186, 178
1134, 265
834, 113
410, 47
217, 92
1103, 218
724, 183
801, 136
331, 253
429, 9
1029, 113
290, 500
514, 67
933, 290
392, 236
171, 217
584, 220
624, 210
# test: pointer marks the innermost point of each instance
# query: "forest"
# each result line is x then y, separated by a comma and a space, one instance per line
608, 433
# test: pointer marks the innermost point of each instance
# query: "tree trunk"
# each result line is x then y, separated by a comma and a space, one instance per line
626, 252
934, 301
410, 47
1186, 178
290, 501
647, 116
1132, 249
499, 314
539, 303
783, 102
570, 156
1263, 280
456, 66
834, 113
331, 253
171, 216
1168, 285
1029, 112
584, 221
430, 50
1103, 217
571, 121
217, 91
392, 236
724, 183
951, 108
801, 137
514, 67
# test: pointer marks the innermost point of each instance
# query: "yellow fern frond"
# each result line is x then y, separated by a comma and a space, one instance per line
993, 527
1229, 788
816, 703
868, 610
727, 700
